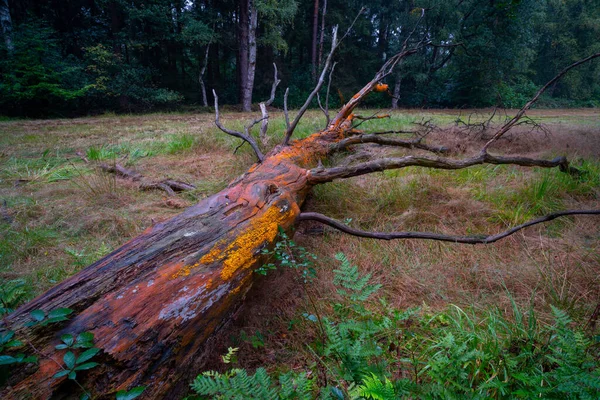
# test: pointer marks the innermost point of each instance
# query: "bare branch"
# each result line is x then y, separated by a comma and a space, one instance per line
168, 185
334, 44
478, 239
292, 126
385, 141
506, 127
201, 77
265, 124
328, 89
276, 82
246, 137
285, 109
326, 108
317, 176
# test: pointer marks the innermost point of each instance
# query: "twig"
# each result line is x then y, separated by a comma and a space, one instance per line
479, 239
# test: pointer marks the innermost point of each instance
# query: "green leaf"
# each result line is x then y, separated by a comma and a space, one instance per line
72, 375
38, 315
68, 339
132, 394
84, 340
86, 355
30, 359
6, 337
69, 359
85, 337
7, 360
60, 374
60, 312
85, 366
14, 343
61, 347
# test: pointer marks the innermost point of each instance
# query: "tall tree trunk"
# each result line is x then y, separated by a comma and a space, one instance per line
252, 25
201, 76
243, 48
322, 39
314, 40
396, 95
6, 25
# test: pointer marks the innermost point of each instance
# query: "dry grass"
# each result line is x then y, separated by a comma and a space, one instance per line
69, 214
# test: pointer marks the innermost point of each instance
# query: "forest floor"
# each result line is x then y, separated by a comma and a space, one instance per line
58, 214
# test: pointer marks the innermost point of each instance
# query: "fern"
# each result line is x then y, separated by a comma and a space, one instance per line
12, 293
357, 288
237, 384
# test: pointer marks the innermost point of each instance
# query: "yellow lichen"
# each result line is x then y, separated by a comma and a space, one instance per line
241, 251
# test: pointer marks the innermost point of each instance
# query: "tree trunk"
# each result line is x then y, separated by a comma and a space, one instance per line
251, 67
314, 40
322, 39
243, 49
201, 77
153, 303
396, 95
6, 25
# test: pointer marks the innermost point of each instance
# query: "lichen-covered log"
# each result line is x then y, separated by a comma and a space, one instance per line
152, 303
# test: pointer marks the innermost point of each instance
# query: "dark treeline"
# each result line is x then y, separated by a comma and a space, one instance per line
75, 57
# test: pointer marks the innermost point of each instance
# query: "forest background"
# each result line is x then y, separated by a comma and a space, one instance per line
79, 57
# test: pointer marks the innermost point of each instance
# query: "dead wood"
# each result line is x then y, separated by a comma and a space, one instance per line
153, 304
168, 185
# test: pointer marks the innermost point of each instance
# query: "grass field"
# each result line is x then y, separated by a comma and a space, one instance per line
59, 214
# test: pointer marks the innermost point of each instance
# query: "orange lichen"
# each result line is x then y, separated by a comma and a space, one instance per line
381, 87
241, 252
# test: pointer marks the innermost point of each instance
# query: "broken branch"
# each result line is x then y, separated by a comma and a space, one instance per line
168, 185
245, 137
476, 239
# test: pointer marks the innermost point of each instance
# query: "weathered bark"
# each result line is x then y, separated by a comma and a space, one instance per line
153, 303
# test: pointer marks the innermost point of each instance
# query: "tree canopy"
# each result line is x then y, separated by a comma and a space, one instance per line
63, 58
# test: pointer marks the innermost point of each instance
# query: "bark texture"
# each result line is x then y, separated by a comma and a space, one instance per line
153, 303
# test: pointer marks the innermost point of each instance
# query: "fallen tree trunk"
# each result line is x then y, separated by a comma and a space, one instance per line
153, 303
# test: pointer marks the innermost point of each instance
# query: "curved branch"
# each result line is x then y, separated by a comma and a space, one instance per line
317, 176
477, 239
385, 141
243, 136
276, 82
506, 127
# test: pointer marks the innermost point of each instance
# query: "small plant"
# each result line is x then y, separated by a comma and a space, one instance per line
287, 254
12, 293
370, 350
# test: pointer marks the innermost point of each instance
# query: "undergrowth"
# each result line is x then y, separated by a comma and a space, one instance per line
366, 349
